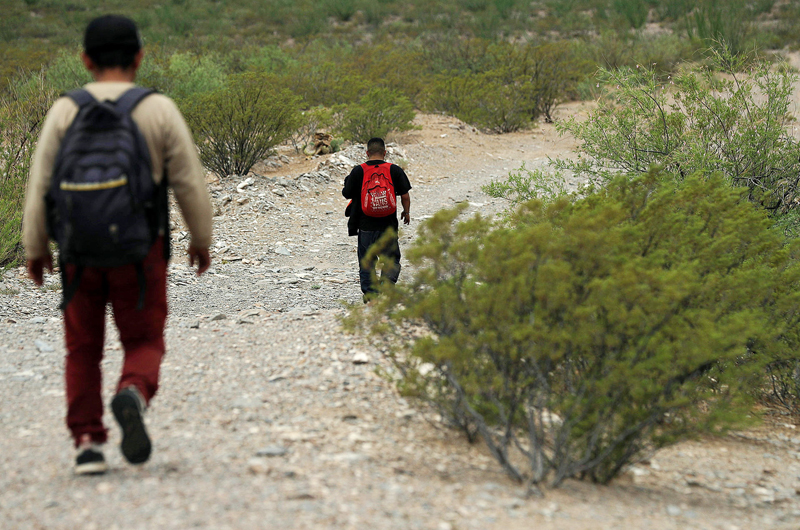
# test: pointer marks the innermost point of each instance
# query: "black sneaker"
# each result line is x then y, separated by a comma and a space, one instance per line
128, 407
90, 459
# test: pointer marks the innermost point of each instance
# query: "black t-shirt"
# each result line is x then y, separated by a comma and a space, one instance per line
352, 190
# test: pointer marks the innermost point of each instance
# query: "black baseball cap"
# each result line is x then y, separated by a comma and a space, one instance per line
111, 33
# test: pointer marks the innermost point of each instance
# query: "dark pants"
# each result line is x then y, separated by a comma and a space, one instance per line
391, 270
141, 333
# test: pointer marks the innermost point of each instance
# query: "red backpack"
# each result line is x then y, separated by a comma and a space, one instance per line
377, 191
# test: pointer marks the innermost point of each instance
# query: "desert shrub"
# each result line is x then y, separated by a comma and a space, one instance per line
23, 106
584, 333
484, 100
449, 54
181, 75
269, 59
340, 9
664, 52
554, 70
378, 113
396, 66
67, 72
188, 74
311, 121
633, 11
238, 125
324, 83
524, 185
504, 87
737, 123
721, 21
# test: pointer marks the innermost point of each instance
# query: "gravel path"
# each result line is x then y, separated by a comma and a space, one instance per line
264, 420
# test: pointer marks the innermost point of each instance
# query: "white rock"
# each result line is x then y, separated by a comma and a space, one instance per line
425, 368
360, 358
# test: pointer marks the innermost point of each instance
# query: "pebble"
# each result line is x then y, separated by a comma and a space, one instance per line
259, 466
272, 450
43, 346
38, 320
219, 316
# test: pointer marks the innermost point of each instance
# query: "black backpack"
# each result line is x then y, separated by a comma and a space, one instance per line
104, 210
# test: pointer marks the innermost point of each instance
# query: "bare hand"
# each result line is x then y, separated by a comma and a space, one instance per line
36, 268
406, 217
202, 257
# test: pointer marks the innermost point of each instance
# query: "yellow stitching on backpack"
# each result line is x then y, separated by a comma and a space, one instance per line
94, 186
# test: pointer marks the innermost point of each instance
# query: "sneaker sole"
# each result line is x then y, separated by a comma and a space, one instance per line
135, 444
91, 468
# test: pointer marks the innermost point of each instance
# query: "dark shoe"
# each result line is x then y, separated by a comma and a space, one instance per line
128, 407
90, 459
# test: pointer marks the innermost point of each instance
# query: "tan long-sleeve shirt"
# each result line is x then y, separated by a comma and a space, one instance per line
171, 149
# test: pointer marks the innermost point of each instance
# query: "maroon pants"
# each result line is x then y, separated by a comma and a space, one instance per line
141, 332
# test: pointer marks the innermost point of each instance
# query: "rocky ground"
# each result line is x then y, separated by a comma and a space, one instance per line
270, 416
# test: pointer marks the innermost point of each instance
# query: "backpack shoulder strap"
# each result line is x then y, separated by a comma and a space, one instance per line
81, 97
128, 101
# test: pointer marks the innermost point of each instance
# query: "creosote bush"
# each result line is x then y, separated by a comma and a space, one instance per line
237, 126
503, 87
737, 123
378, 113
578, 335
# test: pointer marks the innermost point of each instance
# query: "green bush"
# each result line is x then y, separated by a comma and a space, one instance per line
484, 100
523, 185
721, 21
322, 83
378, 113
237, 126
67, 72
502, 87
181, 75
311, 121
633, 11
664, 52
23, 107
190, 75
696, 121
582, 334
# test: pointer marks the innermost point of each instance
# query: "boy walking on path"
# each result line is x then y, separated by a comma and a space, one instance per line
77, 159
372, 188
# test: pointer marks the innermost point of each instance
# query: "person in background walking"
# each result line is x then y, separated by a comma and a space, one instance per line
373, 187
76, 161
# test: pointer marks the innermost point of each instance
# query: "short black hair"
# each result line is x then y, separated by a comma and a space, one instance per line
112, 41
113, 58
376, 146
